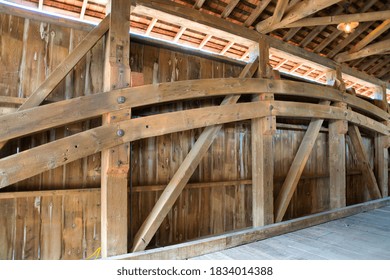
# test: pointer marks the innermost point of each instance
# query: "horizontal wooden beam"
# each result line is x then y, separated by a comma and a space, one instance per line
376, 48
24, 194
60, 113
51, 155
359, 17
229, 240
11, 100
39, 16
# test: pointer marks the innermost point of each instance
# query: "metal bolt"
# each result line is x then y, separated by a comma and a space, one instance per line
120, 132
121, 99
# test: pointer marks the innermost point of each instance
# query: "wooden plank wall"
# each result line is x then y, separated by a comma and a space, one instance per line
66, 225
30, 50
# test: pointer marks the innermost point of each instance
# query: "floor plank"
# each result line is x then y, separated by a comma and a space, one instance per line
365, 236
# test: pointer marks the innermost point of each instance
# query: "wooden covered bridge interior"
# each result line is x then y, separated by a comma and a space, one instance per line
170, 129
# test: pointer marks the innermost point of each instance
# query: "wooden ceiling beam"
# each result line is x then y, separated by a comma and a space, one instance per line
299, 11
379, 65
280, 8
204, 41
369, 63
327, 41
290, 34
317, 30
179, 34
83, 9
229, 8
347, 40
226, 48
151, 26
384, 70
198, 4
360, 17
256, 12
372, 49
383, 27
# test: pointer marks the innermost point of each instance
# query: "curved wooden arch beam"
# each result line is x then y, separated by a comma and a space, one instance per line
60, 113
49, 156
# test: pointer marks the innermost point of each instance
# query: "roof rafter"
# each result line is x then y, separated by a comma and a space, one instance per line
372, 49
256, 12
229, 8
198, 4
360, 17
280, 8
299, 11
383, 27
83, 9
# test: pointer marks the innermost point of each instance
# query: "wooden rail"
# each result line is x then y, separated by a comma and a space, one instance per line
60, 113
51, 155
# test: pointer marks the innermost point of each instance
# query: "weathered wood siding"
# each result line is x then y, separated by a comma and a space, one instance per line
66, 225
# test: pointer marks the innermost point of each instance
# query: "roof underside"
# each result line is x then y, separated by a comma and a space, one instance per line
325, 40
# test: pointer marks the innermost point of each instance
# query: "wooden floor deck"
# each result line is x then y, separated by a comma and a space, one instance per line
363, 236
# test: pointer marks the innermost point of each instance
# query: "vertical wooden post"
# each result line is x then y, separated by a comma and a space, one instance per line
381, 152
115, 161
337, 169
262, 152
337, 131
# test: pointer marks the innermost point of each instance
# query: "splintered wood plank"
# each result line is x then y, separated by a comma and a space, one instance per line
368, 174
51, 227
7, 228
296, 169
